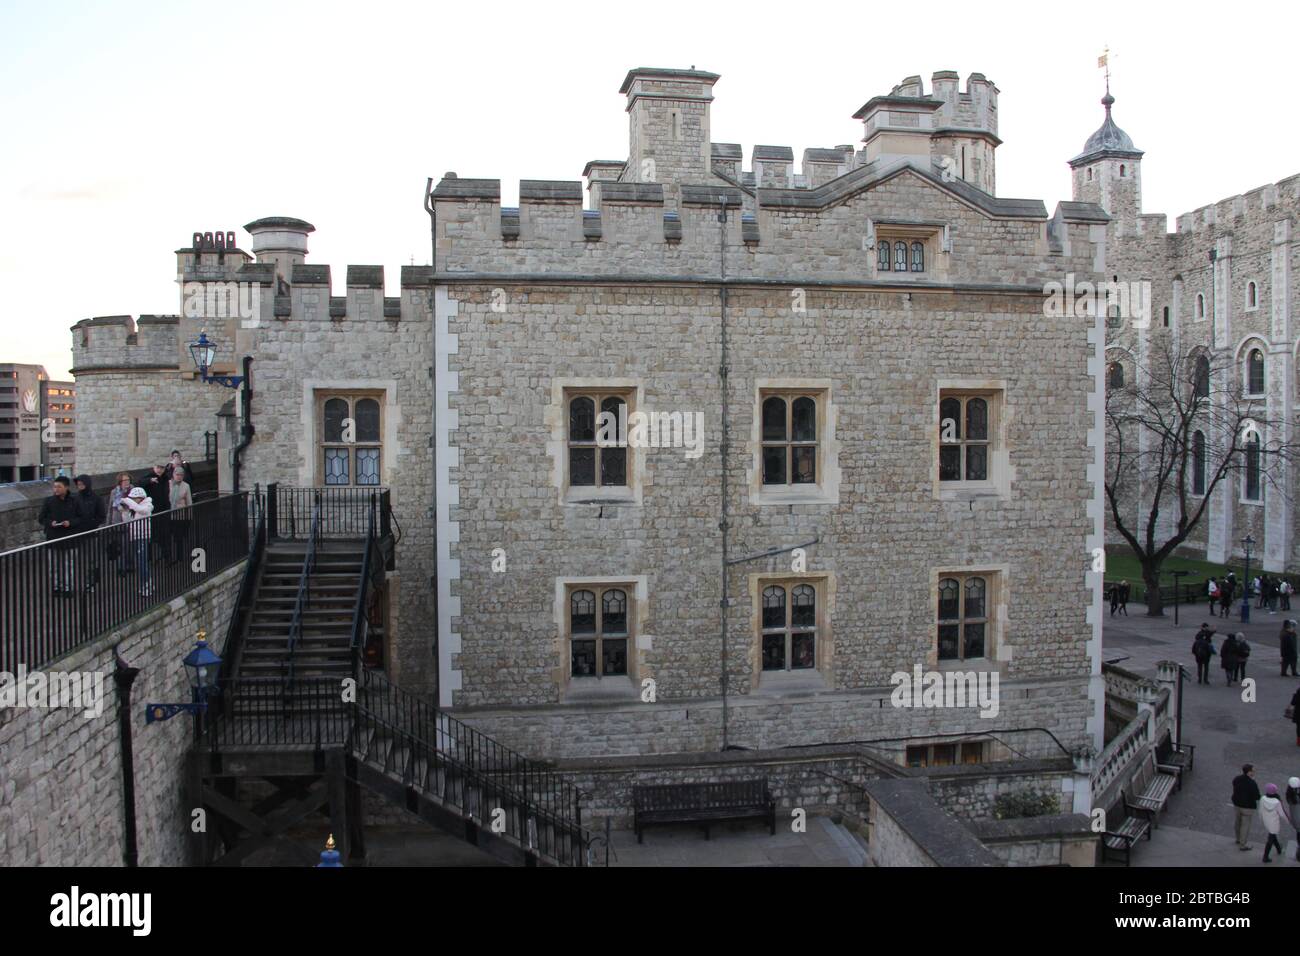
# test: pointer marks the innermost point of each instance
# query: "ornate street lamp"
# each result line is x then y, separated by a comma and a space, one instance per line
329, 857
204, 353
1247, 542
203, 666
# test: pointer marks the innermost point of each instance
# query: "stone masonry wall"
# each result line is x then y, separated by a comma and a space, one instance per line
61, 794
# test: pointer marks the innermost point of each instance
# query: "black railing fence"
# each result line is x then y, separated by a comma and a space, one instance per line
344, 511
250, 712
57, 595
471, 770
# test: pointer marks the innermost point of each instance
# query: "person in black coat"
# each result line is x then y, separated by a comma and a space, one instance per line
60, 518
1295, 714
1203, 650
1228, 658
93, 515
157, 485
1287, 642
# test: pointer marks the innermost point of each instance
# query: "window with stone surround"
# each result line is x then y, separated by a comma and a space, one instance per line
788, 641
789, 433
1198, 463
1252, 297
965, 615
599, 629
1255, 372
1252, 488
1115, 375
1201, 376
1200, 306
903, 248
349, 438
966, 435
596, 439
945, 754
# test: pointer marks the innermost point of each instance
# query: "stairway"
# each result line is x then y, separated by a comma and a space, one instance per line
323, 648
282, 697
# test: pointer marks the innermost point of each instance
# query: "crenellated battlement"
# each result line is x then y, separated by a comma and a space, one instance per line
122, 341
1274, 200
792, 233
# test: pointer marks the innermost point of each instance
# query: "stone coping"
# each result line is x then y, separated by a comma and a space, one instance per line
936, 832
1032, 828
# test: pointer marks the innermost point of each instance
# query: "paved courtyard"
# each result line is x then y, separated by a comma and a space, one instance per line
1196, 829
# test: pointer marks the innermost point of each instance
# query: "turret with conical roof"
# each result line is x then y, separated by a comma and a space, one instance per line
1109, 171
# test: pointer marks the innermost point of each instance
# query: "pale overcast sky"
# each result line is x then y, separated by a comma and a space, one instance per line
128, 127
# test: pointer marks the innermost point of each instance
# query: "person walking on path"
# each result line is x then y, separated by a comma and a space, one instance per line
1226, 590
180, 501
1123, 598
1212, 591
1271, 814
1228, 658
1287, 642
1114, 599
59, 519
118, 546
1285, 590
1242, 651
1245, 798
93, 514
139, 508
1203, 650
1293, 810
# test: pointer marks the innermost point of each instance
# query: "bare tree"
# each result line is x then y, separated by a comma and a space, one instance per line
1177, 427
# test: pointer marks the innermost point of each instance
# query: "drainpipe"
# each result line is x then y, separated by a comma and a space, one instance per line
124, 676
246, 431
725, 447
433, 419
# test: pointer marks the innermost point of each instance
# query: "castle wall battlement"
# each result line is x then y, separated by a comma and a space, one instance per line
121, 341
1275, 199
827, 233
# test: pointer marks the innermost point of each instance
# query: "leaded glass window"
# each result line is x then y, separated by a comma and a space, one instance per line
598, 440
350, 439
963, 618
1255, 372
788, 427
882, 255
789, 627
900, 256
964, 438
918, 257
598, 632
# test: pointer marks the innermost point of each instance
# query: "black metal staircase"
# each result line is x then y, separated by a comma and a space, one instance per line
296, 703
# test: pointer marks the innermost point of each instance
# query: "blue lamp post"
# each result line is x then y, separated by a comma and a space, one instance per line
1247, 542
204, 353
203, 666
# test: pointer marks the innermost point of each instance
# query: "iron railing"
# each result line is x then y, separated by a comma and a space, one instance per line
344, 511
257, 712
233, 648
469, 770
303, 600
57, 595
360, 619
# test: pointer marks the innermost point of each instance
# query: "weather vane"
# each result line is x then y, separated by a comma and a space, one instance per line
1103, 62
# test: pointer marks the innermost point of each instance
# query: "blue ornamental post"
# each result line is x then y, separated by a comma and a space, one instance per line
329, 857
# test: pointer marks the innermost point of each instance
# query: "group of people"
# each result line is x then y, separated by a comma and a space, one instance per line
1273, 811
1271, 590
1232, 655
1119, 598
163, 488
1221, 593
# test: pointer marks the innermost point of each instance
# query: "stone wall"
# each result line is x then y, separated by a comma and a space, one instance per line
971, 792
61, 792
907, 828
1060, 840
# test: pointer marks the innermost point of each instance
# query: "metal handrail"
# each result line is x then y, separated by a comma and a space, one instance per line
360, 621
303, 599
537, 794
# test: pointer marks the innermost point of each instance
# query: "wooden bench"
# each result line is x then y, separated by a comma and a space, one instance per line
1178, 757
704, 803
1136, 824
1153, 785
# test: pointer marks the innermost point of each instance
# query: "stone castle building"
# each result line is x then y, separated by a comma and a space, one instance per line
852, 358
1223, 293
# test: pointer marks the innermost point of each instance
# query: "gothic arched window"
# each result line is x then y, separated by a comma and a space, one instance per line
918, 257
1255, 372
